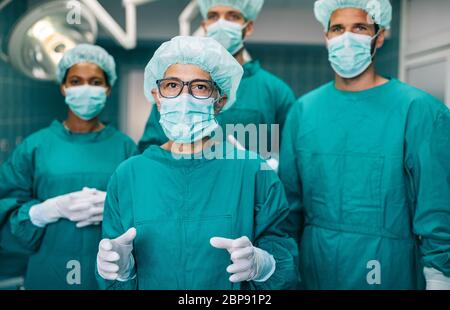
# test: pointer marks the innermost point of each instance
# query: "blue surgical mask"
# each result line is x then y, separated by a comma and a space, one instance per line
228, 34
186, 119
350, 54
86, 101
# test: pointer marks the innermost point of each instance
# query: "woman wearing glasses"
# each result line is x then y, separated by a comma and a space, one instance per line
176, 216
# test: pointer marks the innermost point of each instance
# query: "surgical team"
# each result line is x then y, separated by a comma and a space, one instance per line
357, 197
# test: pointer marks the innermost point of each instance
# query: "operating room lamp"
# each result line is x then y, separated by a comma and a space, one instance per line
41, 36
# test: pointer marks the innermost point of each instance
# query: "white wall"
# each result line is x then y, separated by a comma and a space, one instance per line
134, 114
288, 21
428, 25
425, 46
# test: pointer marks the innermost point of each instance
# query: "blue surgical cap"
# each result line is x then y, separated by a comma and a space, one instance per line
87, 53
379, 10
204, 52
249, 8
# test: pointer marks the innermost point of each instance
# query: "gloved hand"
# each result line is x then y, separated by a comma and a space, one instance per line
436, 280
114, 258
249, 263
76, 207
96, 211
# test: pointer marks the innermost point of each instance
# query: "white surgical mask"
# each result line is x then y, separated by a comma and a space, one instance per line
228, 34
86, 101
186, 119
350, 54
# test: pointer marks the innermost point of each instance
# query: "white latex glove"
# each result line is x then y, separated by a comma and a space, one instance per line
96, 211
114, 258
76, 207
436, 280
249, 263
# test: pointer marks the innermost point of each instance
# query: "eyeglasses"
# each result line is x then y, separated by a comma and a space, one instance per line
200, 89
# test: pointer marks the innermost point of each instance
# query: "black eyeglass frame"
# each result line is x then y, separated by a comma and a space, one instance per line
188, 84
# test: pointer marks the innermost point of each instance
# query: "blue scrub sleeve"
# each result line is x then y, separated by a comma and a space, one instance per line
271, 213
112, 228
16, 198
427, 162
289, 175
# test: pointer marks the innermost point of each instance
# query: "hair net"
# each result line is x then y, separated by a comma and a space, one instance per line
249, 8
206, 53
379, 10
87, 53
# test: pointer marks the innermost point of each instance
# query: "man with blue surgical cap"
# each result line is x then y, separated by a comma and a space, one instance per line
365, 164
194, 213
52, 188
262, 98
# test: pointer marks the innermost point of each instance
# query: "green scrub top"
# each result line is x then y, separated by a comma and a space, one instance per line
50, 163
177, 205
262, 98
13, 263
367, 177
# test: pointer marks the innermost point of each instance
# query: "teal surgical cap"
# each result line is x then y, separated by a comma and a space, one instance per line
379, 10
204, 52
87, 53
249, 8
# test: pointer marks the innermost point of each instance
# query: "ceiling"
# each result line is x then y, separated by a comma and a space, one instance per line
281, 21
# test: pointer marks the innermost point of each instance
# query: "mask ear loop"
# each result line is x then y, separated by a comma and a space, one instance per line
375, 37
218, 99
244, 27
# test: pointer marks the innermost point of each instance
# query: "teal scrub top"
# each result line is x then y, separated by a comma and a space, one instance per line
177, 205
50, 163
367, 177
262, 98
13, 263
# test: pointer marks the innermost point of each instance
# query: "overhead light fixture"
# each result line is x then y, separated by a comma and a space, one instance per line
40, 37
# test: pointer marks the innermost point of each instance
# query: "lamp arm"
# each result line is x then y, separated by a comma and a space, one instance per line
127, 38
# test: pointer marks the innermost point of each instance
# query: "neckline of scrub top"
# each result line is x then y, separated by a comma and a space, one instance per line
251, 67
58, 128
374, 91
155, 152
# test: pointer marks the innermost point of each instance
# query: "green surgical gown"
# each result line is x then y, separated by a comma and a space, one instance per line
367, 177
50, 163
13, 262
177, 205
262, 98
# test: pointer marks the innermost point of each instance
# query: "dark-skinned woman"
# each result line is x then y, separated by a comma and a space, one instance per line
55, 181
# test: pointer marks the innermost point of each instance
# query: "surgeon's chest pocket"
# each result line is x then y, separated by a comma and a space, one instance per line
343, 189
